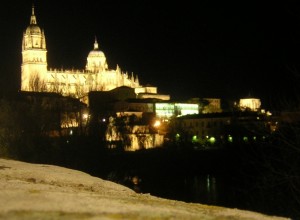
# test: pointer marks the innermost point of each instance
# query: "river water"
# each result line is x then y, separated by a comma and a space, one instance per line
214, 177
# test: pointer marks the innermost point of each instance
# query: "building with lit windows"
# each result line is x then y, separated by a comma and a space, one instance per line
213, 106
167, 110
252, 104
201, 129
114, 98
216, 129
137, 123
37, 77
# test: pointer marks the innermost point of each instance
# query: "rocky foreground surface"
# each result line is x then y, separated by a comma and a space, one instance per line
39, 191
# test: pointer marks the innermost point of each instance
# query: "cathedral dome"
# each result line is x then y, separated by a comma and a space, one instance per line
96, 53
33, 29
96, 60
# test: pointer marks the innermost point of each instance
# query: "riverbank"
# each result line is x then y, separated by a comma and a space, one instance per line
40, 191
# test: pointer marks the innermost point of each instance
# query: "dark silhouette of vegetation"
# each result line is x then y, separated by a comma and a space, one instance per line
266, 173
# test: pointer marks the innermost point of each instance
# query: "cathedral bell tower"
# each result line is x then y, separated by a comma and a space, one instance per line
34, 57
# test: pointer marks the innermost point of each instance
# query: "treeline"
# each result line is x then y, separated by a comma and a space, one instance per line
272, 168
22, 131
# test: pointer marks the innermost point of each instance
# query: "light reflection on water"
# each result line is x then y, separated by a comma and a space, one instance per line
203, 188
226, 188
197, 178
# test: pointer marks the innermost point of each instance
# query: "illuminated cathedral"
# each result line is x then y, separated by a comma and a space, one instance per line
36, 76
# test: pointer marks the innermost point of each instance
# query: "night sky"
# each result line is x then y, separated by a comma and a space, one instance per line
185, 48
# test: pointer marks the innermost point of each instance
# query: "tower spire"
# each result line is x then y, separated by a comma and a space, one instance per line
96, 46
32, 18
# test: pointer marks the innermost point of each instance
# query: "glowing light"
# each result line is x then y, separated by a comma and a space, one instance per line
252, 104
212, 140
208, 183
177, 137
167, 110
194, 138
157, 123
187, 108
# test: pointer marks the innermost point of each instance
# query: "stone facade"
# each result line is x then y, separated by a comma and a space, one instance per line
37, 77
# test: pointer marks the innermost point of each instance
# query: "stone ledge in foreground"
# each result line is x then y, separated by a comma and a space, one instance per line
40, 191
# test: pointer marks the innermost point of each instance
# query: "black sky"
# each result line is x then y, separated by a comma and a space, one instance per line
185, 48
